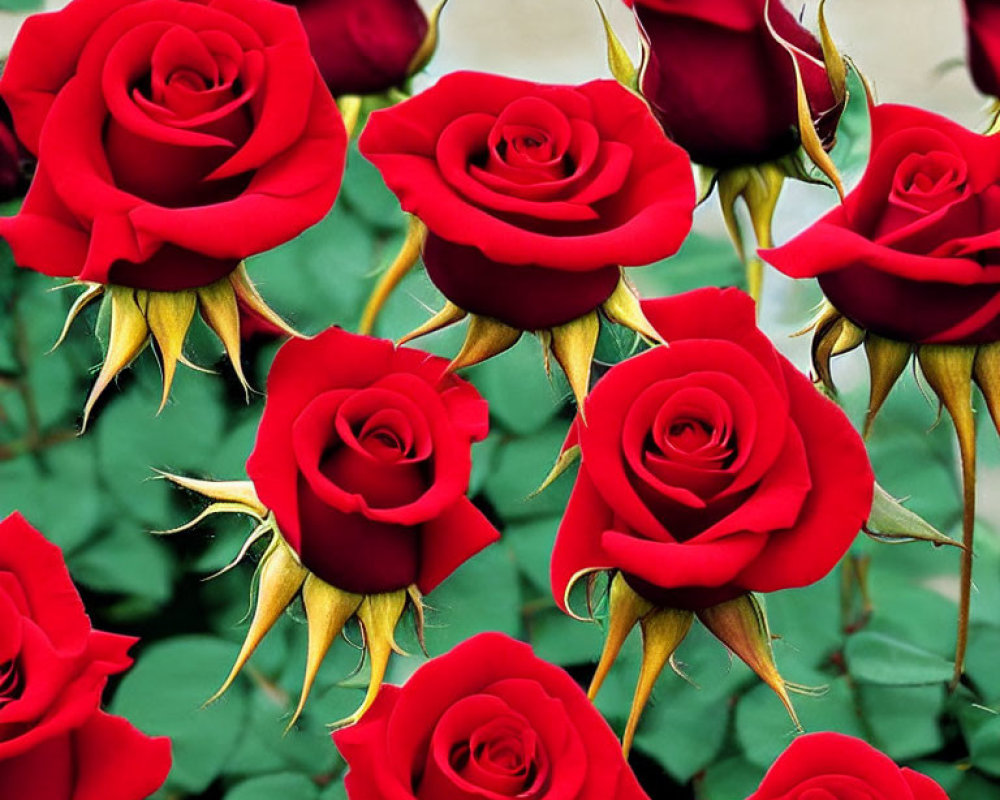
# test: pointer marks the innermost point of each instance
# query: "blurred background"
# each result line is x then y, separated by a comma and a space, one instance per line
94, 495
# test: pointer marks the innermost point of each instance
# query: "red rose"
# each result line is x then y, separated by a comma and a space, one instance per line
488, 719
723, 85
911, 254
15, 163
533, 195
363, 46
174, 139
363, 455
838, 767
711, 467
54, 742
982, 20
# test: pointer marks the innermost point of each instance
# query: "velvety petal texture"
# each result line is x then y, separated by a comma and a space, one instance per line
912, 253
711, 467
533, 194
833, 766
486, 721
720, 77
363, 46
363, 454
55, 743
174, 138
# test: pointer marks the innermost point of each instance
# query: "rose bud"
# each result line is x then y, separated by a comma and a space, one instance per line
55, 742
357, 480
363, 46
529, 200
709, 469
174, 140
740, 85
835, 766
982, 23
486, 720
909, 266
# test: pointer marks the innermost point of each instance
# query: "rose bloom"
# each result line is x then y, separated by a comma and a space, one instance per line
710, 467
363, 455
363, 46
55, 743
912, 253
533, 195
722, 84
833, 766
15, 163
174, 139
487, 719
982, 20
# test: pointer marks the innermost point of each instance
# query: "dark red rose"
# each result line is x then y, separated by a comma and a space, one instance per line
174, 138
913, 253
723, 85
833, 766
15, 162
363, 455
982, 20
363, 46
711, 467
533, 195
487, 720
54, 742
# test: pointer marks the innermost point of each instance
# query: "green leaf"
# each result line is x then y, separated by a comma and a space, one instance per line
481, 595
877, 658
522, 398
521, 466
287, 785
764, 730
163, 694
731, 779
903, 720
984, 747
127, 561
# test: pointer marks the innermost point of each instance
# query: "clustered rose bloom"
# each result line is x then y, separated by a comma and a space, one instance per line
711, 467
911, 254
363, 455
488, 719
533, 195
363, 46
723, 84
833, 766
982, 19
55, 742
174, 139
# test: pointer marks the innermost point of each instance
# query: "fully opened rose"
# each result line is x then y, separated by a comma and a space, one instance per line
909, 266
833, 766
709, 469
174, 138
359, 477
533, 198
55, 742
486, 720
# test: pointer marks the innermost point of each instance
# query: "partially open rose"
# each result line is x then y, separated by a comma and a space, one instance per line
833, 766
982, 20
363, 455
487, 720
174, 139
912, 253
534, 196
712, 467
55, 743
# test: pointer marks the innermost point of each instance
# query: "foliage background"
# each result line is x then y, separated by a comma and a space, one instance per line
879, 675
